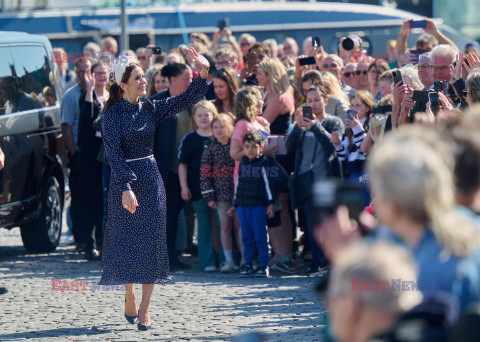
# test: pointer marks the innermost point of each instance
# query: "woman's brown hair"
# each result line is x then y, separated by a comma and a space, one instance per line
116, 93
367, 99
229, 77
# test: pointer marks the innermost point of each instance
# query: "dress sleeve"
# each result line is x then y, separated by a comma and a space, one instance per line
121, 172
168, 107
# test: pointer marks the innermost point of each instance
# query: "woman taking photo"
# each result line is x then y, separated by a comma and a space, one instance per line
135, 240
225, 85
315, 159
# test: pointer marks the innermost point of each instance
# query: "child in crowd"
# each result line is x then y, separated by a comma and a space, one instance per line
189, 158
348, 149
216, 183
255, 201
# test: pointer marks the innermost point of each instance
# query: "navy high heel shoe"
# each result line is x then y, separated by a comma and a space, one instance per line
131, 319
143, 327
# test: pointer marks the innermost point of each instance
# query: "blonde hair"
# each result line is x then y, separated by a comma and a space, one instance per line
375, 262
204, 104
277, 74
246, 104
226, 120
412, 174
410, 71
332, 87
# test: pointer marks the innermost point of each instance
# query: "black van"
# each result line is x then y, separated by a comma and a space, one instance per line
32, 183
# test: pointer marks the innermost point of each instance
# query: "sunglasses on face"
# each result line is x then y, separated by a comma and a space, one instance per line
332, 65
348, 74
245, 44
359, 72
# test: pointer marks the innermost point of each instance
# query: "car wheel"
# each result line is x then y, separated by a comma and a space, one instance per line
43, 234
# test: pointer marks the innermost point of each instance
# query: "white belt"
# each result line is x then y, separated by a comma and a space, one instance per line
131, 160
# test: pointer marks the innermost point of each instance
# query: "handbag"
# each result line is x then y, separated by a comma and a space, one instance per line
301, 185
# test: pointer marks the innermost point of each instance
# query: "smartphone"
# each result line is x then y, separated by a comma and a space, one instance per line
279, 141
351, 113
418, 24
437, 86
316, 42
397, 76
445, 88
434, 102
223, 23
157, 50
307, 112
251, 60
307, 61
420, 96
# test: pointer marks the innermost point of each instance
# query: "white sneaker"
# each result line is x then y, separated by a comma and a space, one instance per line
227, 267
210, 269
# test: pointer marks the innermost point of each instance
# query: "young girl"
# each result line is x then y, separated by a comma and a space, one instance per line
189, 157
348, 149
216, 183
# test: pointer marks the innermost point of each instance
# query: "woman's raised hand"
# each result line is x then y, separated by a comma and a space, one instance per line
299, 117
201, 63
89, 79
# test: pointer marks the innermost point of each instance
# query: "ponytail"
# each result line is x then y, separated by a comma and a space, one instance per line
116, 94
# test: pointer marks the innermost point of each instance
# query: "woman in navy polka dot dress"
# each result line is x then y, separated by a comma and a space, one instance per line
134, 249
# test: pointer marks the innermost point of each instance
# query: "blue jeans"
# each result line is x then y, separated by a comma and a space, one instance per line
253, 223
317, 252
206, 254
106, 171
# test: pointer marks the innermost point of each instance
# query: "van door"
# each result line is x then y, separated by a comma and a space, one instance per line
25, 127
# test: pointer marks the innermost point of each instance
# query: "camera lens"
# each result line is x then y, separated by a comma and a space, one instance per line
348, 44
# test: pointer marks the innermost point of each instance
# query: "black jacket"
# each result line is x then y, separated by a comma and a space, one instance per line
164, 145
258, 180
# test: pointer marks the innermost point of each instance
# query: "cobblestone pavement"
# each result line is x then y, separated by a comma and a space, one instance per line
193, 307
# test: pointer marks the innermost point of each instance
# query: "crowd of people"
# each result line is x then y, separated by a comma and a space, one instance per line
240, 166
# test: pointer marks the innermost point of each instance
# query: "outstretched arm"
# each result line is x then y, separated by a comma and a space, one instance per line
195, 92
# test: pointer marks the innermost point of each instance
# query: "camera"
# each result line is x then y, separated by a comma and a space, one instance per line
349, 42
157, 50
329, 194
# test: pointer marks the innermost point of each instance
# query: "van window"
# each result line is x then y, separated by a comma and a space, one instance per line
32, 74
6, 67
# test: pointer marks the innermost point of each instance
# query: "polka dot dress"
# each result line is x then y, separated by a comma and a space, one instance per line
134, 248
